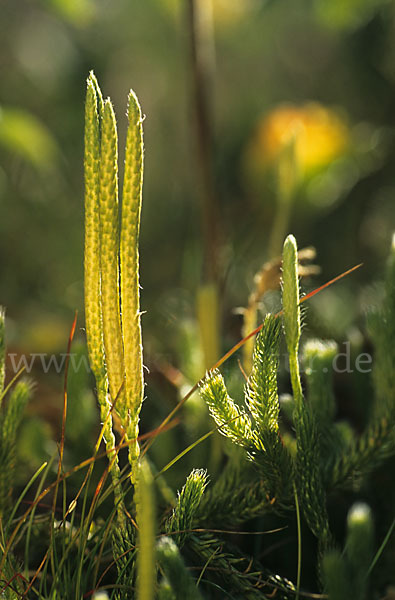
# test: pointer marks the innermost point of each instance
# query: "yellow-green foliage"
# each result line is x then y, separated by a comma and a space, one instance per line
109, 260
112, 267
130, 288
93, 270
291, 308
93, 318
284, 476
258, 434
188, 502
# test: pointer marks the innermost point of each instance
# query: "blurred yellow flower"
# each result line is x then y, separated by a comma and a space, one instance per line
319, 136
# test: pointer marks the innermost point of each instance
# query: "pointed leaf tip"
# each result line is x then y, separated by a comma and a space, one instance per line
134, 108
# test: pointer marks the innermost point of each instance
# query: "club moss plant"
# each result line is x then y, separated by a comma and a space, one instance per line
133, 538
112, 304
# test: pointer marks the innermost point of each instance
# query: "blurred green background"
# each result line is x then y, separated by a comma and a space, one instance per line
317, 74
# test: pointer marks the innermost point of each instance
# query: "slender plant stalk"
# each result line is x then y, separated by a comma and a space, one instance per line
145, 507
131, 315
109, 261
199, 23
200, 27
94, 332
308, 477
298, 524
292, 326
381, 548
208, 318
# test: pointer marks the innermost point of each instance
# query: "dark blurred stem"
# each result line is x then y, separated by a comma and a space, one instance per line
201, 57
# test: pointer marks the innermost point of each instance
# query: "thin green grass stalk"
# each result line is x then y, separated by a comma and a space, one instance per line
47, 466
92, 268
381, 548
118, 499
145, 514
4, 533
130, 286
298, 524
186, 450
18, 526
62, 527
60, 478
54, 560
101, 545
88, 520
75, 540
89, 558
20, 498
